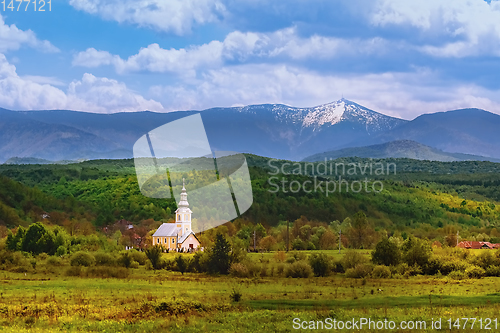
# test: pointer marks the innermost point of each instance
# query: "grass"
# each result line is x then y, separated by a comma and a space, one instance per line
159, 301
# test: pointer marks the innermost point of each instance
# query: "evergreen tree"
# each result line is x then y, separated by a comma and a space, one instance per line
220, 256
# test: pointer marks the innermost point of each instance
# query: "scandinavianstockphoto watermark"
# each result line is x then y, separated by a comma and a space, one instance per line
321, 174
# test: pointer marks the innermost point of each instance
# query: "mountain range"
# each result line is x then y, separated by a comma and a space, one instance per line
398, 149
272, 130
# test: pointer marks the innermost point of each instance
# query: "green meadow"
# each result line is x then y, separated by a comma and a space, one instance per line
45, 299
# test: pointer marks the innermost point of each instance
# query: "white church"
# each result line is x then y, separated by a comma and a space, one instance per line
178, 235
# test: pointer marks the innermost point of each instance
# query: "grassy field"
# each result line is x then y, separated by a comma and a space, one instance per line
46, 300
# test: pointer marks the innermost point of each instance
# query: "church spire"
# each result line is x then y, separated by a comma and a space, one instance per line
183, 202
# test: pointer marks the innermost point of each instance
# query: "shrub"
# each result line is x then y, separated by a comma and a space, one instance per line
235, 295
182, 263
280, 269
386, 253
54, 261
337, 266
104, 259
457, 275
475, 272
352, 258
381, 272
299, 269
82, 259
199, 263
154, 256
239, 270
416, 252
359, 271
61, 251
493, 271
134, 264
125, 259
320, 263
21, 269
108, 272
485, 259
74, 271
138, 256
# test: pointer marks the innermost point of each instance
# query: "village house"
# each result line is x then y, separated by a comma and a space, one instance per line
178, 236
477, 245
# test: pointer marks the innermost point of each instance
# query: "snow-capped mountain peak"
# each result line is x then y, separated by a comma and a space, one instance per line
330, 113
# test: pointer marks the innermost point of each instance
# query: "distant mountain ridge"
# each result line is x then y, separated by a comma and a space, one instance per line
271, 130
398, 149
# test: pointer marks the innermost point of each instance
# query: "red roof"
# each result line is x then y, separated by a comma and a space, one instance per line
477, 245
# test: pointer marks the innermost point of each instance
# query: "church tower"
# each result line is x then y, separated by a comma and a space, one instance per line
183, 213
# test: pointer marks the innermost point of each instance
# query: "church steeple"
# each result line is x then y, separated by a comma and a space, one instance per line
183, 213
183, 202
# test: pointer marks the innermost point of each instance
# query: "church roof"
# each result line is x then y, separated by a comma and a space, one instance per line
166, 230
185, 236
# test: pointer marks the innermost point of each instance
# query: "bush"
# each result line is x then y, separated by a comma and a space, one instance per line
444, 265
337, 267
235, 295
154, 256
182, 263
199, 263
299, 269
381, 272
475, 272
138, 256
386, 253
108, 272
485, 259
82, 259
239, 270
125, 259
416, 252
74, 271
54, 261
457, 275
104, 259
358, 272
61, 251
493, 271
320, 263
352, 258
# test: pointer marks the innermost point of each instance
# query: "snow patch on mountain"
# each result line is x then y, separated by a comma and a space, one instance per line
331, 113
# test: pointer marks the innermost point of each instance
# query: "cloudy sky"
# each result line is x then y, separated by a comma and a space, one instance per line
397, 57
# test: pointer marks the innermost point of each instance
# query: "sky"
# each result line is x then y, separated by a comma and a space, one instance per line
396, 57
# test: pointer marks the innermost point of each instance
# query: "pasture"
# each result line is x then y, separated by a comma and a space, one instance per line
45, 299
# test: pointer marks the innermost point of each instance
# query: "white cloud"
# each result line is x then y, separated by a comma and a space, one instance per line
21, 94
177, 16
104, 95
468, 27
88, 94
283, 44
12, 38
404, 95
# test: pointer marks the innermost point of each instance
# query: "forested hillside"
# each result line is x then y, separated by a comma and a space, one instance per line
428, 199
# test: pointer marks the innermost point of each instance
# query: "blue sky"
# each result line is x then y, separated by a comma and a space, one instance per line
397, 57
